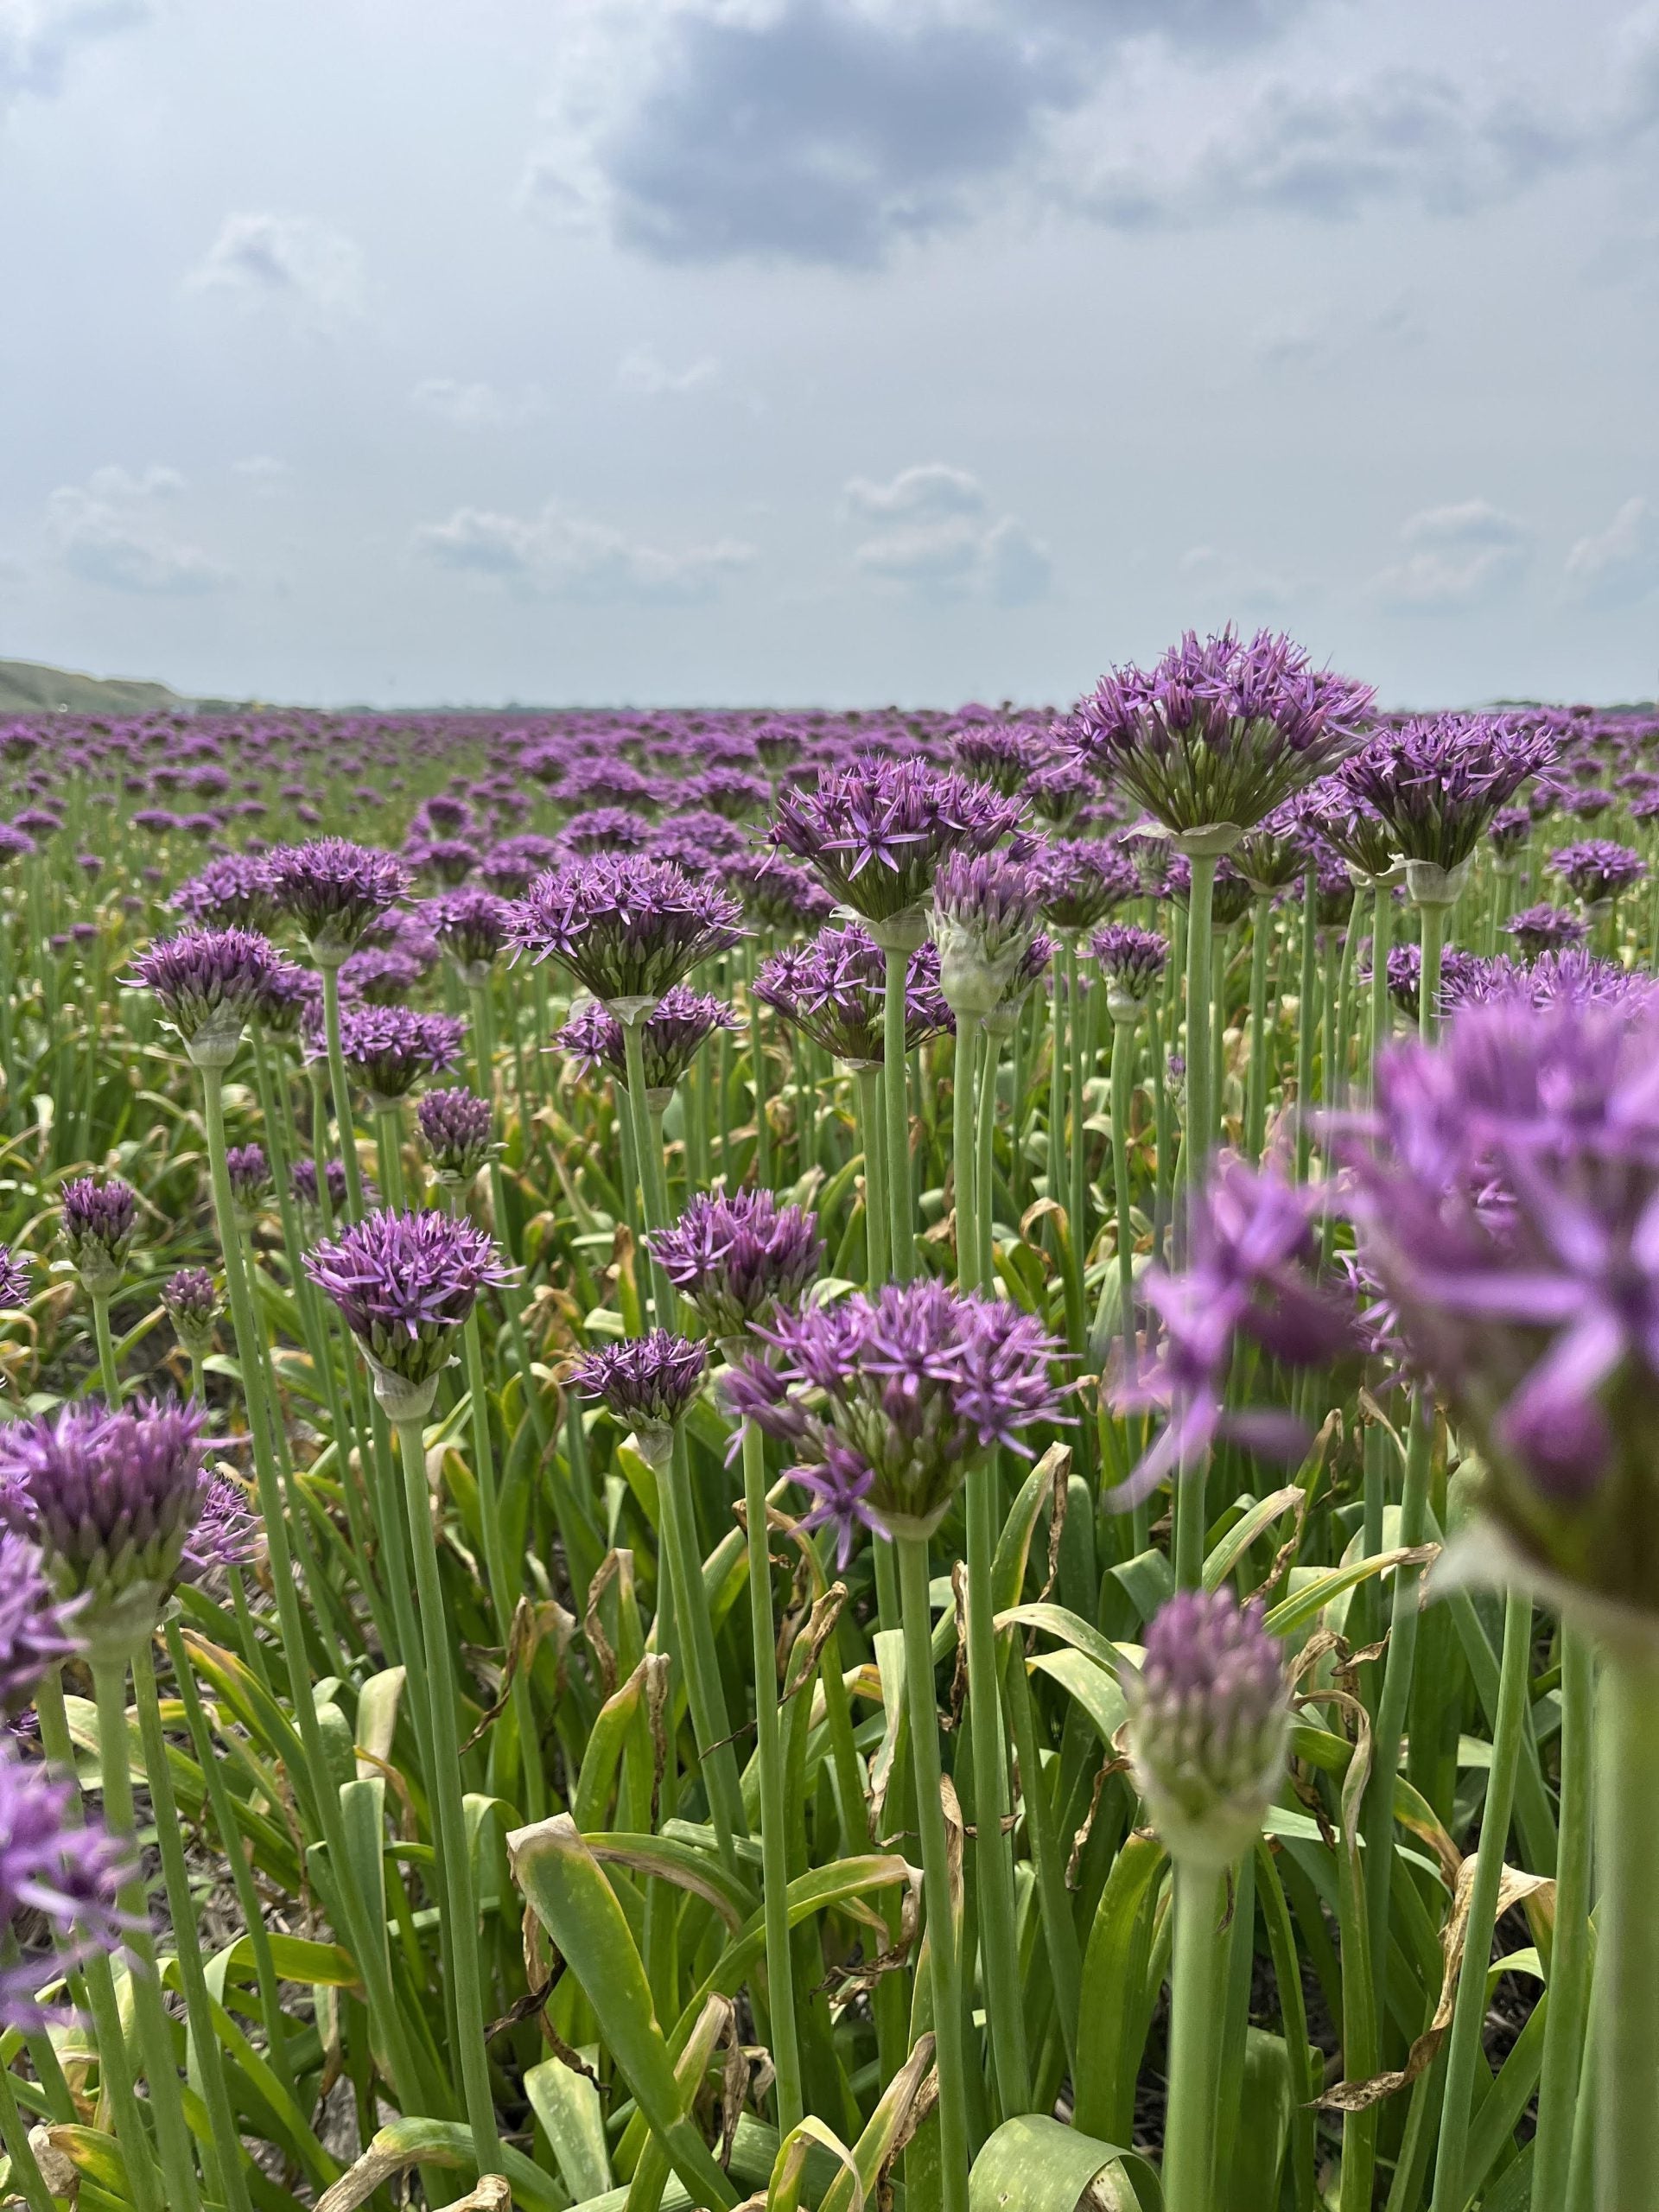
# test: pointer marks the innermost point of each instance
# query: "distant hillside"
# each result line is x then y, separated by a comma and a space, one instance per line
26, 688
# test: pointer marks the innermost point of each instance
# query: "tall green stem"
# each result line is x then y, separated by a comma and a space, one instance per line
155, 2029
1569, 1959
942, 1964
504, 1593
877, 1208
209, 2059
1255, 1120
895, 1078
1627, 1953
1390, 1719
1469, 2011
108, 1375
341, 1090
1200, 1098
965, 1155
774, 1814
454, 1859
1077, 1186
1306, 1019
1189, 2126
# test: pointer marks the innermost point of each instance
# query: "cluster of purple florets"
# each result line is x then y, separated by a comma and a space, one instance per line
335, 890
99, 1223
737, 1260
389, 1049
1595, 869
875, 834
833, 989
457, 1128
404, 1283
670, 1036
628, 930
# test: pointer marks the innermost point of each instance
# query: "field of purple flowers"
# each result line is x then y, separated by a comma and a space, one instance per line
849, 1460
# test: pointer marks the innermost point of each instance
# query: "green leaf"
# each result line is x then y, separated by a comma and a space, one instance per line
1035, 2164
567, 2104
1112, 2023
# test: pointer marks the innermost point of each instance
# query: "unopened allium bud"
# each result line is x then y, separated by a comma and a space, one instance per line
1132, 963
249, 1170
1209, 1725
457, 1128
985, 911
99, 1222
192, 1304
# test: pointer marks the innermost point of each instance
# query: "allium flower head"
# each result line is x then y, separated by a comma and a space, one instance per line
1459, 972
1000, 754
209, 982
284, 998
985, 911
834, 991
53, 1864
334, 889
1272, 856
1353, 829
303, 1176
1508, 831
191, 1298
776, 894
1545, 929
457, 1128
404, 1284
1508, 1202
1595, 869
473, 927
886, 1401
249, 1169
225, 1534
389, 1049
650, 1382
1574, 974
232, 892
1080, 880
15, 1269
736, 1260
1209, 1725
1437, 782
628, 929
1250, 1274
112, 1498
670, 1037
1219, 733
99, 1223
35, 1624
1132, 963
875, 834
1058, 791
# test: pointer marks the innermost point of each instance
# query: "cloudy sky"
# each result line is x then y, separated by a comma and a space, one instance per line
827, 350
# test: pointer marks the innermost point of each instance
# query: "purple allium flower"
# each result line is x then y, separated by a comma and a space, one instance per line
1508, 1202
457, 1128
1573, 974
1132, 963
334, 889
984, 918
1595, 869
1000, 754
1438, 783
225, 1534
51, 1863
627, 929
404, 1283
36, 1632
389, 1049
191, 1298
379, 974
283, 999
512, 866
15, 1277
231, 892
1588, 803
1545, 929
1057, 792
452, 859
607, 830
834, 990
776, 894
473, 927
1458, 973
1080, 880
875, 834
209, 982
250, 1174
1209, 1725
99, 1223
303, 1176
16, 844
1273, 854
670, 1036
650, 1382
735, 1260
908, 1387
1332, 885
1220, 732
1249, 1272
1508, 832
111, 1498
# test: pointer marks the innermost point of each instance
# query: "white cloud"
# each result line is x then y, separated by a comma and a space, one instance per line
936, 536
290, 261
37, 38
474, 406
642, 372
264, 473
1620, 565
932, 491
557, 554
106, 531
1466, 555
